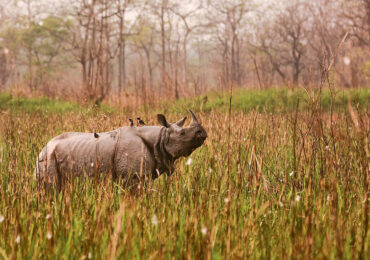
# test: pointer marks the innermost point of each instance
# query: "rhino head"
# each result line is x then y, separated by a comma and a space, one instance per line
182, 141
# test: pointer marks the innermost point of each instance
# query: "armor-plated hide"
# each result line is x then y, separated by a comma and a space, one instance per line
128, 153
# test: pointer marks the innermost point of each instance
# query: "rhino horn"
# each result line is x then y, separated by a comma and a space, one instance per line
194, 119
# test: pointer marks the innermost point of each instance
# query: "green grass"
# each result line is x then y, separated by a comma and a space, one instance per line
295, 186
274, 100
47, 105
269, 100
7, 101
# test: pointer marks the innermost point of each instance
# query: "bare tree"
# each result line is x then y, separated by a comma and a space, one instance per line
121, 11
93, 47
325, 30
357, 23
185, 16
357, 14
285, 42
227, 21
4, 67
144, 42
126, 30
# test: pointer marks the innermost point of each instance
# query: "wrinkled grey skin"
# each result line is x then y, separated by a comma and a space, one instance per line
128, 153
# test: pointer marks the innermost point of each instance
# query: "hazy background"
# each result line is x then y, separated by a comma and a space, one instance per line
93, 50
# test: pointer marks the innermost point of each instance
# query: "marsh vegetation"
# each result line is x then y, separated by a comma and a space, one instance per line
282, 184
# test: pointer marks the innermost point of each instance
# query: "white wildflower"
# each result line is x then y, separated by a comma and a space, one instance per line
210, 170
92, 164
41, 23
291, 174
154, 220
89, 256
281, 204
346, 60
328, 198
227, 200
298, 198
1, 218
204, 230
48, 235
6, 51
189, 161
327, 148
244, 139
48, 216
18, 239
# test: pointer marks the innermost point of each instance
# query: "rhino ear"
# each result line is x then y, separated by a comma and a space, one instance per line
162, 120
181, 122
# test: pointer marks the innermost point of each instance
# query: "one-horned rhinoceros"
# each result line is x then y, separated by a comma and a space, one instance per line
128, 153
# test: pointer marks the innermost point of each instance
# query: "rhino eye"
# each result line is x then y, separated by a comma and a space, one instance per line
199, 132
182, 133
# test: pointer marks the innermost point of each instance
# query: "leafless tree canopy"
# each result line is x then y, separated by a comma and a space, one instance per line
172, 48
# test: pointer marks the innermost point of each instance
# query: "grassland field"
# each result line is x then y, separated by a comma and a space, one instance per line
289, 180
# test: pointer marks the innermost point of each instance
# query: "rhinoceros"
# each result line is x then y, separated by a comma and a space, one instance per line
128, 153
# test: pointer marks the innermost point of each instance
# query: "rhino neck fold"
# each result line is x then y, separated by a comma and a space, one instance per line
155, 138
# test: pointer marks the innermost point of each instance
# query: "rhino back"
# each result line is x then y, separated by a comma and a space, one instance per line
79, 153
122, 152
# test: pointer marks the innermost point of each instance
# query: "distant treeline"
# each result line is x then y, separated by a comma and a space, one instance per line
91, 50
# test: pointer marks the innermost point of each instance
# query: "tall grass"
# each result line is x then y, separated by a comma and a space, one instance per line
298, 187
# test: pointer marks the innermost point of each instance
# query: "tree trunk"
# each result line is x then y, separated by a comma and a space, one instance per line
121, 54
163, 44
184, 60
296, 72
120, 51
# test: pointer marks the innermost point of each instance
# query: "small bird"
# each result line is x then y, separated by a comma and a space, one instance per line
140, 122
96, 135
131, 122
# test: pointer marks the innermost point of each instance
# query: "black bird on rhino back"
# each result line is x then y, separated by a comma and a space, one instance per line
128, 153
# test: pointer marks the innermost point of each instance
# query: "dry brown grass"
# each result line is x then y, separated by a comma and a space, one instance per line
297, 188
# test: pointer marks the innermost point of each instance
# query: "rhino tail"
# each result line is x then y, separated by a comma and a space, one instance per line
39, 167
46, 167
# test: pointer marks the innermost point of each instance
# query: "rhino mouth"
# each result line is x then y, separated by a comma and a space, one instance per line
196, 145
200, 141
